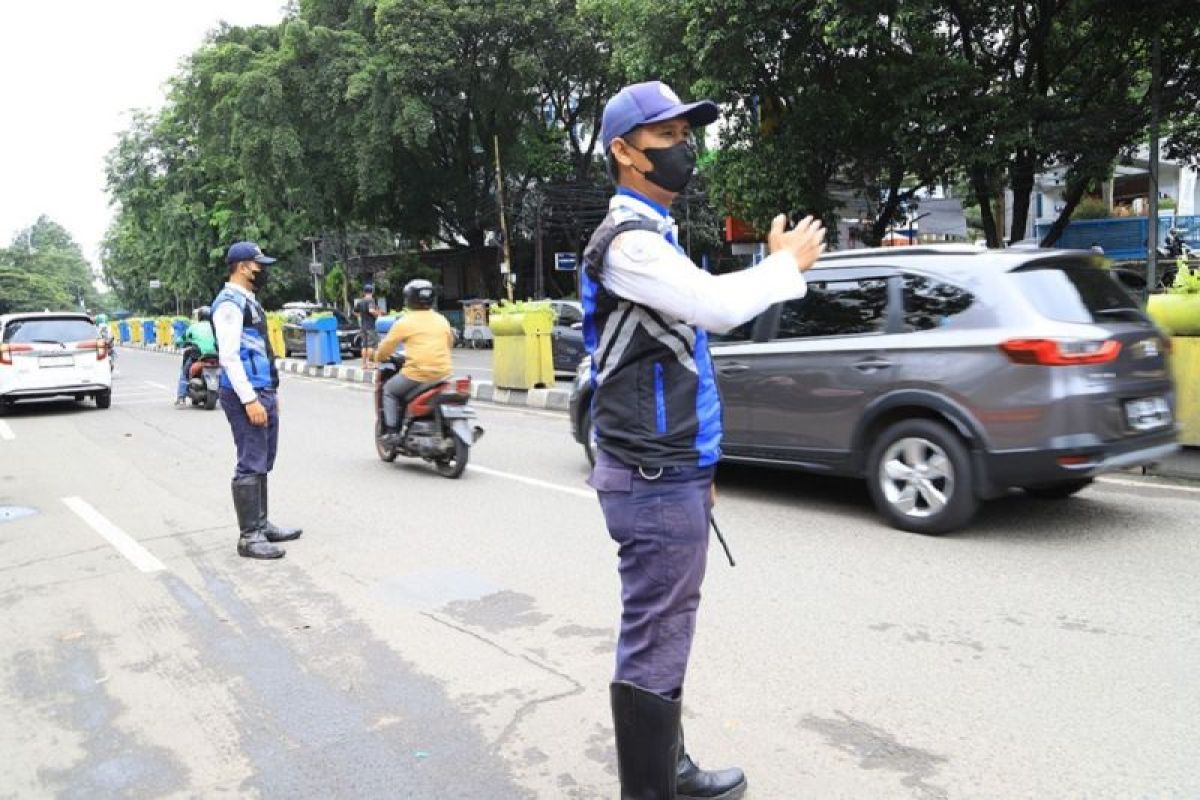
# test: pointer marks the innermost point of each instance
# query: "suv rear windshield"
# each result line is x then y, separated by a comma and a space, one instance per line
29, 331
1073, 292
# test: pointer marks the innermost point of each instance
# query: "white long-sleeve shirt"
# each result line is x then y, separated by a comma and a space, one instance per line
644, 268
227, 324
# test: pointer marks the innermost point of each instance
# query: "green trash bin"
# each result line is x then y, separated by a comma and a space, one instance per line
522, 357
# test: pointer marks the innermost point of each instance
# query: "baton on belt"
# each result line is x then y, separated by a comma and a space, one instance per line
713, 521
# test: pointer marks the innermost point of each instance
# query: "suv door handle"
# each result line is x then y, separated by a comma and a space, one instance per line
872, 364
732, 369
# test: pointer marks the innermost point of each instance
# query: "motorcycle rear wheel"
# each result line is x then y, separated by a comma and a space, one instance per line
386, 453
454, 466
210, 401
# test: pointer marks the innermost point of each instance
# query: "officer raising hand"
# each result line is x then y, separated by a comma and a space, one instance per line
657, 416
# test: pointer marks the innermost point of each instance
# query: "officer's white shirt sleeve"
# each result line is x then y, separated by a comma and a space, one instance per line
644, 268
227, 324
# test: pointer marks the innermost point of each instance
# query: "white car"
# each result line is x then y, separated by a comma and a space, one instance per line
53, 354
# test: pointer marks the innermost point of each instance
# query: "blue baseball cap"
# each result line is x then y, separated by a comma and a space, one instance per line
652, 101
246, 251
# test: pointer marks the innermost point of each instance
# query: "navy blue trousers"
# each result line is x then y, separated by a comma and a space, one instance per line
255, 446
661, 529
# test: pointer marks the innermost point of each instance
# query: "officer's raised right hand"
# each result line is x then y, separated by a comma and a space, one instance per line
805, 242
256, 413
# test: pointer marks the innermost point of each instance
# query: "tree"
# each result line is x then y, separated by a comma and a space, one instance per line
44, 268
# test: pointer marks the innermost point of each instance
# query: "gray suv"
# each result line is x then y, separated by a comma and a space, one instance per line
945, 375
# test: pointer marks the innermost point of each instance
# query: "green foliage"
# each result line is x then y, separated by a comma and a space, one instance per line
1187, 280
43, 269
1092, 208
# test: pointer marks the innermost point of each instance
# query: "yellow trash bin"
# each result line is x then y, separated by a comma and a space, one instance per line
522, 356
163, 333
1185, 367
275, 333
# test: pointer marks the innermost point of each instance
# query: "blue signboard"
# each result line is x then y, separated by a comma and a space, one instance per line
564, 262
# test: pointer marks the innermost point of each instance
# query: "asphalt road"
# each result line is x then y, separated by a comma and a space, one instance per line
429, 638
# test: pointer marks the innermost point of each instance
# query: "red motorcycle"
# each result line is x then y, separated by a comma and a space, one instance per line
438, 422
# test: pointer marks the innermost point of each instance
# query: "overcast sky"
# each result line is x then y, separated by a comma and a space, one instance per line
70, 71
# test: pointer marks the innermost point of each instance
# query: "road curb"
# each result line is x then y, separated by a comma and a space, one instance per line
486, 391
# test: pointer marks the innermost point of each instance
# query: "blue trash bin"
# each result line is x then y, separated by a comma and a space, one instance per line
384, 324
321, 342
148, 332
178, 329
123, 331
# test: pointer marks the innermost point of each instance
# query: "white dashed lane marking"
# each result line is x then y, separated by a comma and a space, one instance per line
6, 433
125, 544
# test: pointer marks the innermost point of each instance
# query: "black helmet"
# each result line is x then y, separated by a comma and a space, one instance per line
418, 294
203, 314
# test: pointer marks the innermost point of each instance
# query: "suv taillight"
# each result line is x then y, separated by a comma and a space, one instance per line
98, 345
6, 351
1061, 352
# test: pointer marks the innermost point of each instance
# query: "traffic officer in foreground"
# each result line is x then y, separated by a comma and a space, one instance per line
657, 416
248, 385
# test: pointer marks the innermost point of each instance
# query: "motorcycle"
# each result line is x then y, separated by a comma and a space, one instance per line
204, 382
438, 422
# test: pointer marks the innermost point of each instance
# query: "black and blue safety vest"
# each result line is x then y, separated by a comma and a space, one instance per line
255, 348
655, 400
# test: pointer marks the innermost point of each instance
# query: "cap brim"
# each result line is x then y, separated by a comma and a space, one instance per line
699, 114
265, 259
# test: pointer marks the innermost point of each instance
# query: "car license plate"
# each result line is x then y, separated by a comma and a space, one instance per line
46, 362
1148, 413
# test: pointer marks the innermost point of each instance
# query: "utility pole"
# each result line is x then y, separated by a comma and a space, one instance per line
539, 290
316, 268
506, 264
1155, 103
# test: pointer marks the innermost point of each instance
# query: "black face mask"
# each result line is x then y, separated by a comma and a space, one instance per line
673, 166
259, 279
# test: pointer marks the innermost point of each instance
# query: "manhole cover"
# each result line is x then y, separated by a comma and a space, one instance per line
9, 513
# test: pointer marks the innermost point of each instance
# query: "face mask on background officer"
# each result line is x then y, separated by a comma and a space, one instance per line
255, 273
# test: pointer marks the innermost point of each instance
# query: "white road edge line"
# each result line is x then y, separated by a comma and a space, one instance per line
1148, 485
6, 433
156, 385
558, 487
125, 544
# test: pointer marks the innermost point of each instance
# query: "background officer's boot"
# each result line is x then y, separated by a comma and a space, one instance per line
247, 501
273, 532
647, 728
693, 783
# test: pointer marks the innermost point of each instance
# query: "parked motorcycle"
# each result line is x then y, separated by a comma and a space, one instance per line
438, 422
204, 382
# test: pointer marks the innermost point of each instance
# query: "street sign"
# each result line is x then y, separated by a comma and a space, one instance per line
564, 262
316, 268
156, 284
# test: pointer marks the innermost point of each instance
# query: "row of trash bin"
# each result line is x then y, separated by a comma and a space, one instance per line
521, 332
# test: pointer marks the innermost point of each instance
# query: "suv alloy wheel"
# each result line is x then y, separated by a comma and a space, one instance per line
920, 477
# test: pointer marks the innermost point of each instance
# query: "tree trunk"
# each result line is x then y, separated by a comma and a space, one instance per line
1074, 193
982, 185
1023, 170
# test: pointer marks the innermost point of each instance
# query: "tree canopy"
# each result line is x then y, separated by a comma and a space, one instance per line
373, 125
44, 269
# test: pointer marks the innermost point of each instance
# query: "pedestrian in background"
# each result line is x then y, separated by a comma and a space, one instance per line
367, 308
657, 417
249, 384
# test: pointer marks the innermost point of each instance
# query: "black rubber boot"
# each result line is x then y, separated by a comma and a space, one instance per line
647, 732
693, 783
247, 501
273, 532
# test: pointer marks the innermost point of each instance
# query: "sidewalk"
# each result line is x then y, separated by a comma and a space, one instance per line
548, 399
1185, 464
